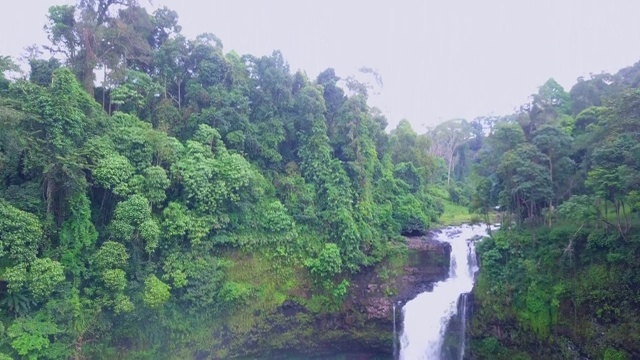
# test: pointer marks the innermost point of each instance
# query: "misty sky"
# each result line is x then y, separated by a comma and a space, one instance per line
438, 59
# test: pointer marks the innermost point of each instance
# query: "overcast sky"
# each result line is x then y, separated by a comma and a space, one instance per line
438, 59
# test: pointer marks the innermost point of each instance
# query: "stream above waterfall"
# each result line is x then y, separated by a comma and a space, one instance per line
428, 315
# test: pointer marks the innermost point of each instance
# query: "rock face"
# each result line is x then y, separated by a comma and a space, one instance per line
365, 323
428, 263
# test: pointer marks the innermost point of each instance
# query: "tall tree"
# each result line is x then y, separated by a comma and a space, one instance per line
64, 117
446, 138
88, 34
556, 145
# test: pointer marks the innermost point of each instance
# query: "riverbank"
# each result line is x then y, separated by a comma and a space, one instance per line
456, 215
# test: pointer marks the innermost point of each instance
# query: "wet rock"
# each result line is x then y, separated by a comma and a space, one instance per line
291, 308
379, 307
414, 232
427, 263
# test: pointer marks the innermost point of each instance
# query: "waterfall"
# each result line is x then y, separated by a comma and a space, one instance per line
463, 326
426, 317
395, 336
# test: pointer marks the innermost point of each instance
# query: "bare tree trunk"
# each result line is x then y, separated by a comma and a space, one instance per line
49, 193
104, 86
179, 95
78, 348
569, 248
449, 170
165, 87
550, 212
606, 211
89, 61
616, 207
597, 205
626, 219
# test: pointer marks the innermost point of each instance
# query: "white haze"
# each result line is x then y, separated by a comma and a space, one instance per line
439, 59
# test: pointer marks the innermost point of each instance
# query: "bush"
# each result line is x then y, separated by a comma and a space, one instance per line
327, 264
488, 348
613, 354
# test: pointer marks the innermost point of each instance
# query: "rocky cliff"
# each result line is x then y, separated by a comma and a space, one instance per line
363, 325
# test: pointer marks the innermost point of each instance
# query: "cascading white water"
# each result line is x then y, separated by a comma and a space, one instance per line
426, 317
395, 345
463, 318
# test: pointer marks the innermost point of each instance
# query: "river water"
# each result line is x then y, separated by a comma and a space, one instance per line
427, 316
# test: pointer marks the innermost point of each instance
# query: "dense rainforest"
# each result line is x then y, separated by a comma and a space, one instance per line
561, 279
156, 191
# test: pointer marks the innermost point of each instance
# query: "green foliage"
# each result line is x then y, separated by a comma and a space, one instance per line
16, 278
202, 280
488, 347
6, 64
135, 93
327, 264
17, 303
20, 233
567, 277
114, 173
156, 183
613, 354
176, 220
341, 290
578, 208
133, 224
114, 279
156, 293
133, 216
44, 275
408, 215
541, 312
41, 72
30, 337
78, 235
150, 233
133, 212
233, 293
111, 255
122, 304
40, 278
212, 183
